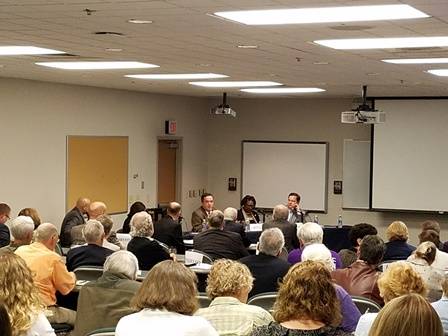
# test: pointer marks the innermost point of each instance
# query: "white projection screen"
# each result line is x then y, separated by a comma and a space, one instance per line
271, 170
410, 156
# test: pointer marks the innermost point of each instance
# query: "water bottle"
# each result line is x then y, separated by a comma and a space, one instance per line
340, 221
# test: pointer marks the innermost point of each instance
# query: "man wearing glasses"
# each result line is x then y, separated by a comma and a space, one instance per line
5, 212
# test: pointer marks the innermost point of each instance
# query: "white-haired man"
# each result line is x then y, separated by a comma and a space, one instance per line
92, 254
266, 267
109, 296
230, 224
311, 233
21, 229
280, 220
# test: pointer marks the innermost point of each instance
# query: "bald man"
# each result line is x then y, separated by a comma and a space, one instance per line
73, 218
168, 230
96, 209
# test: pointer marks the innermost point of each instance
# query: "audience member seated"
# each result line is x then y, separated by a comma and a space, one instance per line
5, 323
31, 212
421, 261
360, 278
49, 271
397, 280
280, 220
230, 224
409, 315
397, 247
109, 296
135, 207
199, 217
441, 259
435, 226
350, 313
168, 230
306, 304
311, 233
5, 212
166, 300
270, 246
22, 229
108, 223
73, 218
96, 209
228, 285
441, 306
355, 235
92, 254
218, 243
21, 298
147, 250
247, 214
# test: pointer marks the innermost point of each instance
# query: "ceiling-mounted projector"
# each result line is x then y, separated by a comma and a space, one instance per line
223, 108
363, 114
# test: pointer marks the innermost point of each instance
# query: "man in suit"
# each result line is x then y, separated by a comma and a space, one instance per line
200, 215
219, 243
270, 246
5, 212
168, 230
279, 220
72, 218
94, 211
295, 214
230, 215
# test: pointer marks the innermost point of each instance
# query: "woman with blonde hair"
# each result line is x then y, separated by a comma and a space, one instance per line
397, 280
166, 302
21, 298
306, 304
397, 247
409, 315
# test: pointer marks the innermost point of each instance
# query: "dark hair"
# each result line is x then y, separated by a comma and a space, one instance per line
359, 231
296, 195
431, 236
136, 207
372, 249
430, 225
204, 195
5, 323
4, 209
248, 198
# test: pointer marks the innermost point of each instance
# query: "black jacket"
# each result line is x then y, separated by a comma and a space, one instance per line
87, 255
72, 218
237, 228
289, 232
168, 231
220, 244
148, 252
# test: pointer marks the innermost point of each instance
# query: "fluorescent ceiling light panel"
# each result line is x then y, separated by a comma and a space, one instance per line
324, 14
97, 65
27, 50
235, 84
283, 90
386, 43
417, 60
439, 72
179, 76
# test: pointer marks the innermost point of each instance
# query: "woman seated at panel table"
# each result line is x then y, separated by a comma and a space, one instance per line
247, 214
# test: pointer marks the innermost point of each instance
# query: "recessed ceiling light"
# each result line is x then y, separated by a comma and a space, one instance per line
178, 76
242, 46
97, 65
321, 63
416, 60
137, 21
114, 49
283, 90
235, 84
439, 72
385, 43
27, 50
324, 14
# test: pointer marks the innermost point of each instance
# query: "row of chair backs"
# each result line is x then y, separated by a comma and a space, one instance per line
102, 332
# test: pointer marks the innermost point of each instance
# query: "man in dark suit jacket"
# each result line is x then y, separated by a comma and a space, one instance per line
218, 243
72, 218
92, 254
230, 215
200, 215
266, 267
280, 220
168, 230
5, 212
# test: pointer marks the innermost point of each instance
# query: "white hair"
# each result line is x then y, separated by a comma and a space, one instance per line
271, 242
93, 231
21, 227
230, 213
122, 262
319, 252
280, 212
45, 232
141, 225
311, 233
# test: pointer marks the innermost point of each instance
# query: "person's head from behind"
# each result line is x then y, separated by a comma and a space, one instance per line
83, 205
359, 231
410, 315
271, 242
141, 225
107, 223
5, 323
230, 214
136, 207
444, 284
229, 278
310, 233
372, 250
430, 225
174, 210
207, 201
31, 212
293, 200
307, 292
93, 232
18, 292
429, 236
22, 229
5, 213
397, 231
248, 203
216, 219
319, 252
168, 285
97, 209
122, 263
426, 251
47, 234
399, 279
280, 212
